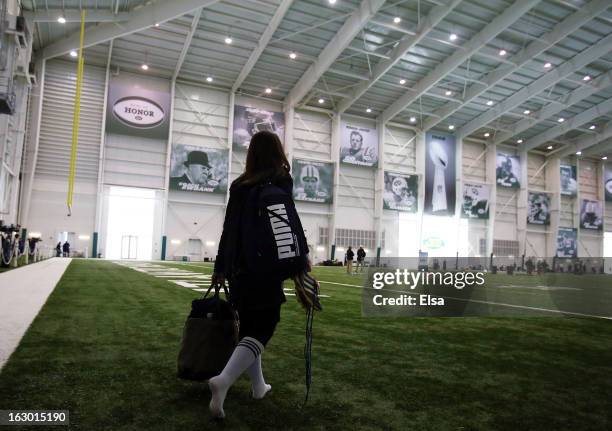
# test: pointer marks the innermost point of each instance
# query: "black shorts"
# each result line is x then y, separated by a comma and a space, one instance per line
259, 323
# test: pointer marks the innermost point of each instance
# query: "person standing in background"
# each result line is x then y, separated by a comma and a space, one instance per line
361, 254
350, 254
66, 249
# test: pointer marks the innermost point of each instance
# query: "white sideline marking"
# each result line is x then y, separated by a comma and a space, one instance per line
23, 292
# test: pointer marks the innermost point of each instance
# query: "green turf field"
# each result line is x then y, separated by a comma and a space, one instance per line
105, 344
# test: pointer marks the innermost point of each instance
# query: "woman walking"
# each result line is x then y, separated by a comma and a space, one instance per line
257, 298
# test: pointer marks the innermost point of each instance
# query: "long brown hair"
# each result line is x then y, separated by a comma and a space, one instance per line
265, 159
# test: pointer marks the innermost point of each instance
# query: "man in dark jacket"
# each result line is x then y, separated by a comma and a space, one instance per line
66, 249
350, 254
361, 254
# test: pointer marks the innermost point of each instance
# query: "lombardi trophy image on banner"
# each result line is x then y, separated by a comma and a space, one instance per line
438, 156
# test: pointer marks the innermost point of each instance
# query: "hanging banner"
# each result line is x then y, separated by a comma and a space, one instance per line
538, 208
401, 192
312, 181
138, 107
198, 169
591, 214
249, 120
358, 145
475, 201
608, 181
440, 174
567, 242
508, 170
569, 185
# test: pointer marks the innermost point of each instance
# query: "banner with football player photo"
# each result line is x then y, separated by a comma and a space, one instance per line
538, 208
358, 145
248, 121
312, 181
591, 215
198, 169
475, 201
508, 170
401, 192
569, 185
440, 156
608, 181
567, 242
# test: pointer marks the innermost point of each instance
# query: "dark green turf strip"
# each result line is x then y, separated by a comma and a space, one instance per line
105, 345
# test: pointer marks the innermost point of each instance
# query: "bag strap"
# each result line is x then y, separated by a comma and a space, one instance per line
216, 286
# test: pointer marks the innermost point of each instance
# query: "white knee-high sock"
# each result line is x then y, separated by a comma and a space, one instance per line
247, 351
258, 384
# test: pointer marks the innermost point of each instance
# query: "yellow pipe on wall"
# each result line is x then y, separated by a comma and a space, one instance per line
76, 117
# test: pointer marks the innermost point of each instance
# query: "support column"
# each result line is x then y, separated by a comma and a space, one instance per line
379, 186
521, 205
335, 157
458, 188
167, 171
420, 155
576, 207
491, 180
601, 196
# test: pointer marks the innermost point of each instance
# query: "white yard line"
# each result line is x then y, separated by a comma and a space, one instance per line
23, 292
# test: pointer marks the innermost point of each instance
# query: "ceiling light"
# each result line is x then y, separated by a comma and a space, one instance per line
268, 90
526, 112
487, 134
73, 53
503, 52
402, 81
550, 147
413, 119
592, 127
451, 127
368, 110
332, 1
547, 65
578, 153
321, 101
156, 24
586, 78
209, 79
145, 66
397, 20
61, 20
519, 141
292, 55
448, 93
604, 158
453, 36
490, 102
228, 40
561, 120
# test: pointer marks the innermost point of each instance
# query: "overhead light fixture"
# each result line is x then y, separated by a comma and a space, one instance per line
144, 66
84, 237
519, 141
228, 40
268, 90
561, 120
547, 65
453, 36
526, 112
397, 20
73, 53
550, 147
332, 1
487, 134
209, 79
156, 24
592, 127
413, 119
604, 158
489, 103
502, 52
402, 81
451, 127
292, 55
321, 101
61, 20
448, 93
175, 241
586, 78
578, 153
368, 110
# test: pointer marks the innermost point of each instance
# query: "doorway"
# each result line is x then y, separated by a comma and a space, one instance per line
130, 223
